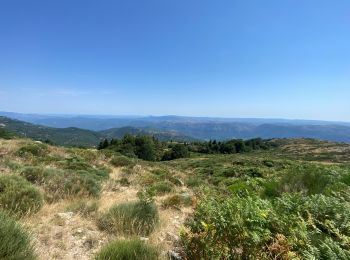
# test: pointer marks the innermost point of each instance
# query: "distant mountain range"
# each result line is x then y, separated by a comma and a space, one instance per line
187, 128
73, 136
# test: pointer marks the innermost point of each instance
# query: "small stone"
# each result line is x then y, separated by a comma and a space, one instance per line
65, 215
174, 255
145, 239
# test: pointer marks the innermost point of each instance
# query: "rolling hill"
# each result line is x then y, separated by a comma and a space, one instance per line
73, 136
92, 128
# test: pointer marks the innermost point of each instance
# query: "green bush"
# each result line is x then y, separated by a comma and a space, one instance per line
19, 196
122, 161
310, 179
15, 243
292, 226
62, 184
33, 149
78, 178
193, 181
34, 174
130, 218
124, 182
133, 249
161, 187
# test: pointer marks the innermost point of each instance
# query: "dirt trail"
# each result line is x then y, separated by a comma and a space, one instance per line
60, 234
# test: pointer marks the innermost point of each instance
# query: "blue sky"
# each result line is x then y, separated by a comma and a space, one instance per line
228, 58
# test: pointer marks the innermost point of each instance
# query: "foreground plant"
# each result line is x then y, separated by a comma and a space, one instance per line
133, 249
14, 241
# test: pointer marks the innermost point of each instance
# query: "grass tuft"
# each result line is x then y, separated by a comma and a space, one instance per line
133, 249
132, 218
14, 241
19, 196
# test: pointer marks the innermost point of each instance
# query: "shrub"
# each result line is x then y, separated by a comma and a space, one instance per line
19, 196
289, 227
130, 218
34, 174
122, 161
177, 151
177, 200
15, 242
33, 149
133, 249
193, 181
309, 179
234, 228
161, 187
124, 182
61, 184
84, 207
78, 178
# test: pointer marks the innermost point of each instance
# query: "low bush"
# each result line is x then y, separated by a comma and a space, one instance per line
122, 161
19, 196
84, 207
193, 181
292, 226
15, 243
34, 174
62, 184
133, 249
161, 187
124, 182
177, 200
33, 149
309, 179
133, 218
77, 179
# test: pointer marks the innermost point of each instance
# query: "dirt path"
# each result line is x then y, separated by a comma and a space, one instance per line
60, 234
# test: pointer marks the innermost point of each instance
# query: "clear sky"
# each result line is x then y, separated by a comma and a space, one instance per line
227, 58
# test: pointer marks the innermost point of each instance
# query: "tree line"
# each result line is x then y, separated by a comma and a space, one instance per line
150, 148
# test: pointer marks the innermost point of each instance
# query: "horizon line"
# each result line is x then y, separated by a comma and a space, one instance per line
173, 115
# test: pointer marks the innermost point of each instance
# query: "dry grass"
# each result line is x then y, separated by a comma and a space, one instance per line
73, 235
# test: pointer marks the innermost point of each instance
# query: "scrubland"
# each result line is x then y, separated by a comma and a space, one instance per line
287, 202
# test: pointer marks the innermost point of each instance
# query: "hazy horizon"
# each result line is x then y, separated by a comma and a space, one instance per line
230, 59
106, 116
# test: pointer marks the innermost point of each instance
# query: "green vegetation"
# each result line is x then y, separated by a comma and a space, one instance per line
177, 200
74, 178
151, 149
85, 208
133, 218
161, 187
5, 134
61, 136
269, 209
14, 241
254, 199
122, 161
18, 196
133, 249
34, 149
